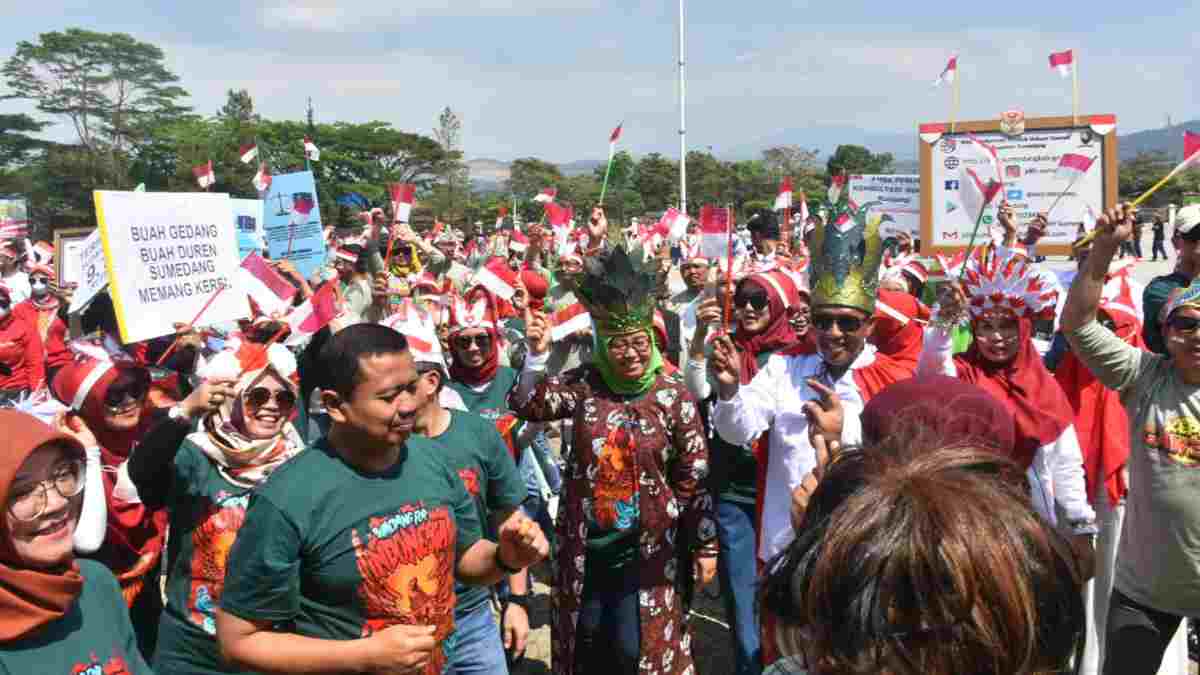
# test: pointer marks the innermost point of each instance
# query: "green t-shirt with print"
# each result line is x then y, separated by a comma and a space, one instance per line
474, 451
206, 514
333, 552
492, 402
94, 637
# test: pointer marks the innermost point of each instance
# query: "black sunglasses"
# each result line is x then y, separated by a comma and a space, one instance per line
259, 396
127, 386
758, 300
465, 341
1184, 324
846, 324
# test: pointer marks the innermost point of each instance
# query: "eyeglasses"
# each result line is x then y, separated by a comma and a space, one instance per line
29, 502
128, 386
846, 324
260, 396
38, 281
640, 345
757, 300
1184, 324
464, 342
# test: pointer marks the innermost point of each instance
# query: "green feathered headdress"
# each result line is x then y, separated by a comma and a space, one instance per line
618, 286
846, 253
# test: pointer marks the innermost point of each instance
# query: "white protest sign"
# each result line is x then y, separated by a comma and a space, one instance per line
900, 195
93, 276
168, 256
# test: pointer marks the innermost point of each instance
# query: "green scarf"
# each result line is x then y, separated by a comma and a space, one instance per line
621, 385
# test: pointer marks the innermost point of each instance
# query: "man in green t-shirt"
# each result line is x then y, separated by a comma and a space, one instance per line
348, 555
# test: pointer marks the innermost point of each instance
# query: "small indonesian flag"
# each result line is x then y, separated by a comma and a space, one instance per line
403, 196
314, 314
248, 152
266, 287
569, 320
976, 192
558, 215
204, 175
500, 216
612, 140
311, 151
714, 231
1191, 149
495, 276
989, 154
1071, 167
949, 73
783, 200
803, 209
1063, 62
262, 179
835, 188
675, 223
546, 196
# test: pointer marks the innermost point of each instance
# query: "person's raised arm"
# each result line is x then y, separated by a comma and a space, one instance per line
1112, 228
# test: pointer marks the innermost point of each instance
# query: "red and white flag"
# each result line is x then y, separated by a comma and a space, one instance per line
546, 196
418, 327
1063, 62
675, 223
497, 278
262, 179
314, 314
784, 199
204, 175
568, 320
835, 188
266, 287
949, 73
612, 141
311, 151
1191, 149
1071, 167
248, 152
803, 209
403, 196
13, 229
975, 191
989, 154
714, 231
503, 211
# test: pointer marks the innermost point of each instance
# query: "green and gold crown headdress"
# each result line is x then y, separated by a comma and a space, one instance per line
618, 286
846, 254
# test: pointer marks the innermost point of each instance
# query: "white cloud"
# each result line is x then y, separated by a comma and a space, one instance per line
342, 16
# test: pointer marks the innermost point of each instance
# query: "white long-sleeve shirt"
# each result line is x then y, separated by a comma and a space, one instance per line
774, 400
1056, 474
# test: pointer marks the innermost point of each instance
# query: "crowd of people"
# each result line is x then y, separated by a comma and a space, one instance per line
887, 470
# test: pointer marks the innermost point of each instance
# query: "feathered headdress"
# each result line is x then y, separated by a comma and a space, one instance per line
1010, 283
618, 286
846, 257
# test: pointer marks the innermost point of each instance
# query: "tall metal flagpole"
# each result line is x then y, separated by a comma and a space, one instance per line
682, 120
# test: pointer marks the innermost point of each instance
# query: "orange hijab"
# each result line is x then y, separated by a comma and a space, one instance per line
29, 598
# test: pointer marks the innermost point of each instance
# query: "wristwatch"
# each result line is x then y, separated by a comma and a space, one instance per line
502, 565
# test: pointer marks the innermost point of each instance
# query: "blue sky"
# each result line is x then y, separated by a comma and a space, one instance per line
550, 78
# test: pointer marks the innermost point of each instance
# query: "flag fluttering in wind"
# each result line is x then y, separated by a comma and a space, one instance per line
714, 231
989, 154
403, 196
803, 209
204, 175
262, 179
248, 152
783, 200
976, 191
1063, 62
612, 139
835, 187
1072, 166
949, 73
1191, 148
497, 278
675, 223
266, 287
569, 320
314, 314
546, 195
311, 151
503, 211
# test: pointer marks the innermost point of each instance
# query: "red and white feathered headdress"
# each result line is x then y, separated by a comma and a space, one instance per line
1009, 283
476, 313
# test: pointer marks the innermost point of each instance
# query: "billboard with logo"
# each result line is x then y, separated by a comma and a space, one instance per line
899, 197
1026, 159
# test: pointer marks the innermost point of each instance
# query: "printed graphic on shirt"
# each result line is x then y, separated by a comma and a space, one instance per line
507, 426
406, 561
1179, 439
470, 479
615, 504
115, 665
211, 542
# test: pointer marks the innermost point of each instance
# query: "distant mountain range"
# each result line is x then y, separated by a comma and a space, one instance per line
490, 174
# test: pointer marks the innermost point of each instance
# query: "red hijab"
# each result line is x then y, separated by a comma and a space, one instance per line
486, 372
778, 334
29, 598
897, 333
1038, 404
